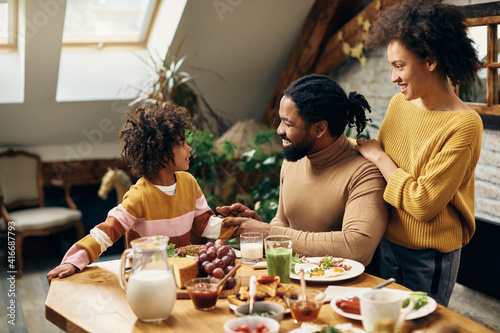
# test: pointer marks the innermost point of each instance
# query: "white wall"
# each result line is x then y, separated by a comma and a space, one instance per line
247, 42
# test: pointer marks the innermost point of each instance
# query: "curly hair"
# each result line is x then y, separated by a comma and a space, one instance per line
318, 97
429, 28
148, 136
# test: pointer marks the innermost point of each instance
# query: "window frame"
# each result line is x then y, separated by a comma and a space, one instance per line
11, 44
139, 44
487, 14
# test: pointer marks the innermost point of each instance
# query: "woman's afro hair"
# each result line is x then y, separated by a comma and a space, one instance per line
429, 28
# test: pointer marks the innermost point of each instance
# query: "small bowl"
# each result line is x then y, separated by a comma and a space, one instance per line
203, 292
304, 311
253, 322
279, 311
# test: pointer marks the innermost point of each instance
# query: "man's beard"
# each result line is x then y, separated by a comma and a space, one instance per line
299, 150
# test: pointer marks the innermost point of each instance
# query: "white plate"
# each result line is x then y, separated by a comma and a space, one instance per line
234, 306
357, 269
423, 311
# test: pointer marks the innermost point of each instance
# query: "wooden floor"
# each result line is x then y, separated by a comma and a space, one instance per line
31, 290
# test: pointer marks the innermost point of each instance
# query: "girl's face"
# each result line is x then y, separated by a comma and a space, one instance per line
182, 153
413, 75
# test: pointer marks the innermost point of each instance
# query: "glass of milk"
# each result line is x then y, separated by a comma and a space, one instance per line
251, 247
151, 290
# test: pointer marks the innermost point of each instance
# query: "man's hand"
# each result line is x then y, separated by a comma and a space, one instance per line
238, 210
243, 224
61, 271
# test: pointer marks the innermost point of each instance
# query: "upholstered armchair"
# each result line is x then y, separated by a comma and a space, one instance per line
22, 202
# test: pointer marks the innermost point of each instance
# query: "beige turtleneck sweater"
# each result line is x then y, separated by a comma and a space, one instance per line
331, 203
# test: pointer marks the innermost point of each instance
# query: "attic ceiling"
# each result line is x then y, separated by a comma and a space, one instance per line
247, 43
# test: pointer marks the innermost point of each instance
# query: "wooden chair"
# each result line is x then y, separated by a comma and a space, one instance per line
21, 187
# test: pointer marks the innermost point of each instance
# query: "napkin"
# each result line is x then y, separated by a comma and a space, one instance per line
260, 265
333, 291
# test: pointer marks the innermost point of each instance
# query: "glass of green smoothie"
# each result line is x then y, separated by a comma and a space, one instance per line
279, 256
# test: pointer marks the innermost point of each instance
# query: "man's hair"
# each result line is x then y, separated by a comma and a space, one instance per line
429, 28
318, 97
148, 136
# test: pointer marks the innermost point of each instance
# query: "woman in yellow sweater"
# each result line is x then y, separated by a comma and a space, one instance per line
428, 145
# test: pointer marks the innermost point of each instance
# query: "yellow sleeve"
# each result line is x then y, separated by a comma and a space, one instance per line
91, 246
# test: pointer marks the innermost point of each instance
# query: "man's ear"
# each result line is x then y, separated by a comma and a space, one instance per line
321, 128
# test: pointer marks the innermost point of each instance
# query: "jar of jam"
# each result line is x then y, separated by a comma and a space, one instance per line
203, 293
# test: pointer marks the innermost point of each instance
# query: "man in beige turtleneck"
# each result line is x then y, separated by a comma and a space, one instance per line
331, 198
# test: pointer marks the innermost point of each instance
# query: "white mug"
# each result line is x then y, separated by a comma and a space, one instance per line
383, 303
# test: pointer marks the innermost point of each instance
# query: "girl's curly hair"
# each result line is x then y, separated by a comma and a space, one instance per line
318, 97
149, 135
429, 28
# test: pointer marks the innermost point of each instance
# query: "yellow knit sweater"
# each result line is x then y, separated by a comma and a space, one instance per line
432, 192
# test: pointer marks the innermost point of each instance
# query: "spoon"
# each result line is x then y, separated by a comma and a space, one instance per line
228, 275
251, 289
385, 283
303, 285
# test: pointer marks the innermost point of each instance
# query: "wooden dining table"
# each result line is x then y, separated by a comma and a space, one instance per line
93, 301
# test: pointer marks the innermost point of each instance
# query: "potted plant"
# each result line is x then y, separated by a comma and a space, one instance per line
168, 81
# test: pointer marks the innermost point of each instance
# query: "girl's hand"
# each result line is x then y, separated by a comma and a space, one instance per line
61, 271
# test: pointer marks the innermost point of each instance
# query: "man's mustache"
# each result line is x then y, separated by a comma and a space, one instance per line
284, 137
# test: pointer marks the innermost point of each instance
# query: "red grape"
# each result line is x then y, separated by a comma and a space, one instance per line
220, 242
219, 263
218, 273
209, 245
209, 268
202, 251
228, 261
222, 251
203, 257
230, 283
227, 269
211, 253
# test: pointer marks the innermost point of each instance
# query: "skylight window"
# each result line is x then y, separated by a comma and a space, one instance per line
8, 24
105, 22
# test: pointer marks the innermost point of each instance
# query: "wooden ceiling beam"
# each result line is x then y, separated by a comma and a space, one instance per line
325, 42
324, 19
350, 39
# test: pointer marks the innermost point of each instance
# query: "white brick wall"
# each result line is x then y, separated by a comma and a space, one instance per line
374, 82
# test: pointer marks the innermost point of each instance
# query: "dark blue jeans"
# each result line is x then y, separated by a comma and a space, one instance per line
421, 270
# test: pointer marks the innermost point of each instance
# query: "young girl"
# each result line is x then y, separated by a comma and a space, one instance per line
428, 145
166, 200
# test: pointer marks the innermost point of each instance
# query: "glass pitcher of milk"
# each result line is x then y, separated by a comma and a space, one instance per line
151, 290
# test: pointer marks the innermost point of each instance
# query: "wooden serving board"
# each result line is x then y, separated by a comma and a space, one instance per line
183, 294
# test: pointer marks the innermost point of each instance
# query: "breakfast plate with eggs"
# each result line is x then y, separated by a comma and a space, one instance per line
326, 269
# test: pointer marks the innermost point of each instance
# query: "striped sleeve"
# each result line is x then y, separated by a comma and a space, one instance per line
76, 256
91, 245
107, 233
214, 229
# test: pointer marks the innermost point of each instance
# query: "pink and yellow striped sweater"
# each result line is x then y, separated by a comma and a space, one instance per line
146, 211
